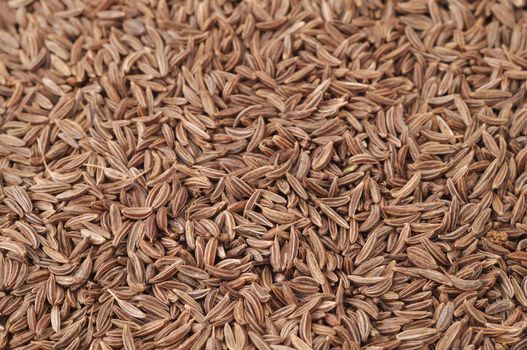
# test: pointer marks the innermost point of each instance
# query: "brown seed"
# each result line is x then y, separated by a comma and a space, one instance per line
128, 339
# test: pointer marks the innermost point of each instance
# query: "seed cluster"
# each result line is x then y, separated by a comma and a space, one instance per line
263, 174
